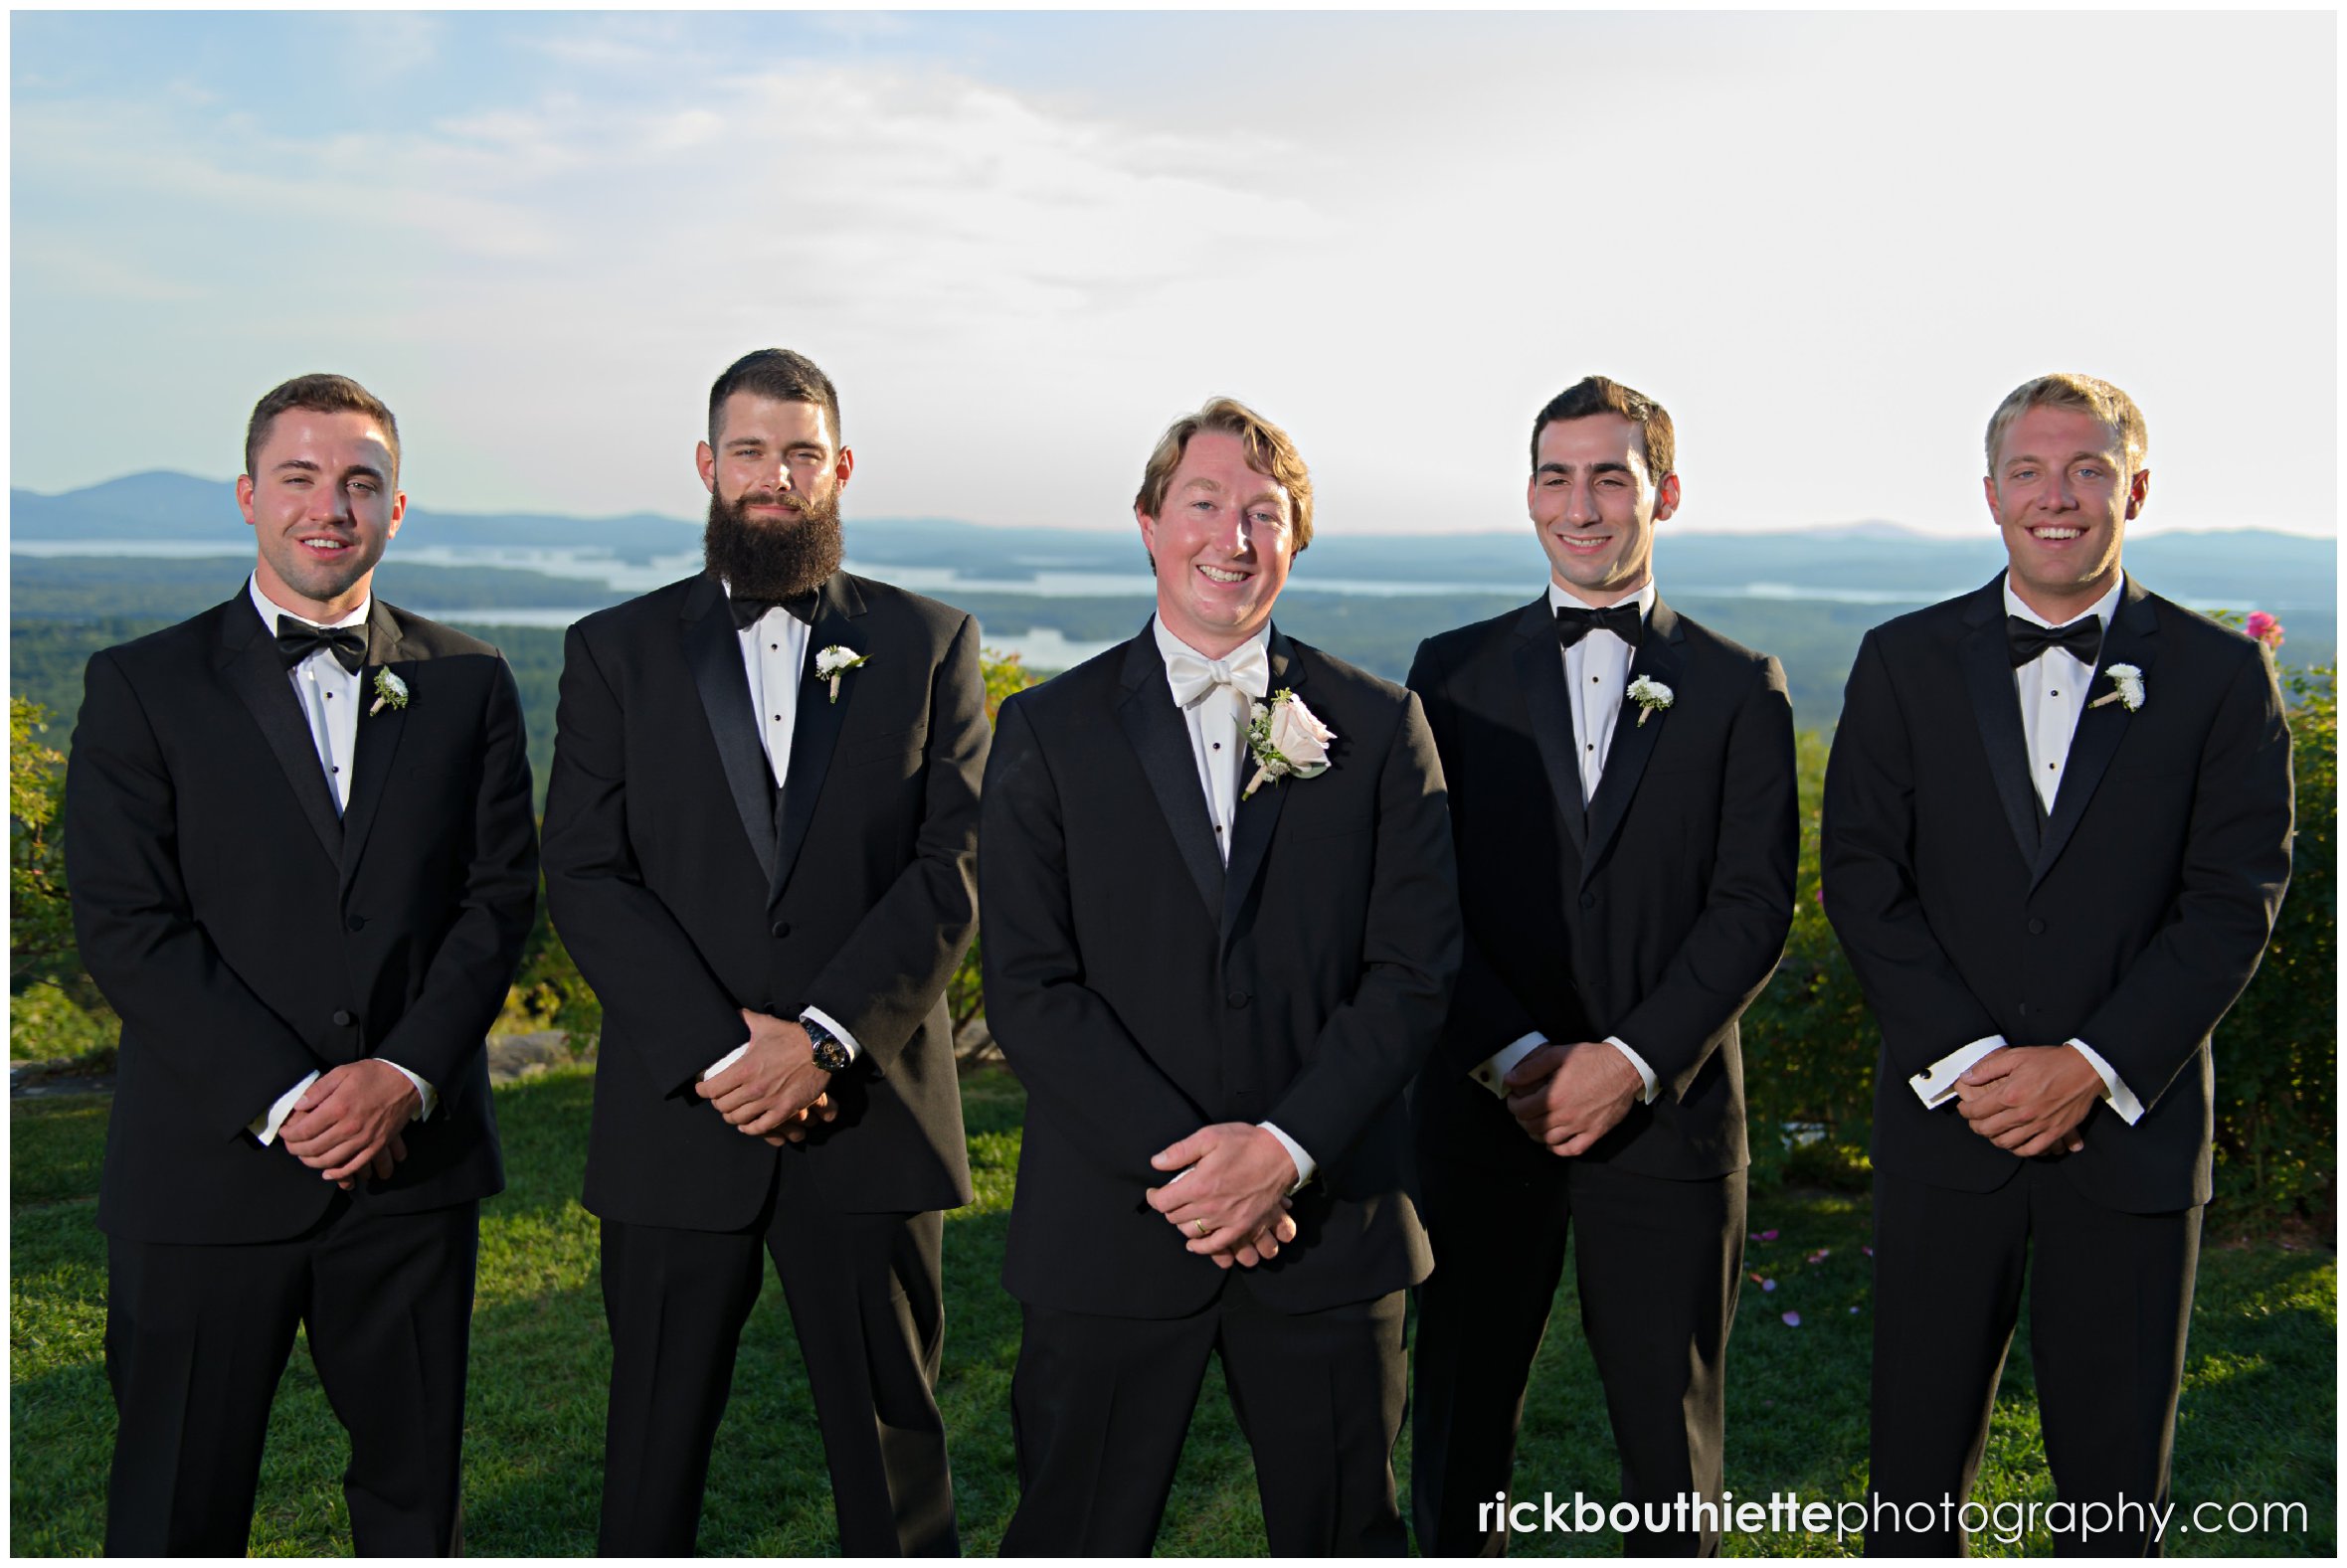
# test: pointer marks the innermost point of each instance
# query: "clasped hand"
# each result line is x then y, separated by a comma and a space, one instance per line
1230, 1203
2029, 1099
349, 1122
1567, 1097
774, 1089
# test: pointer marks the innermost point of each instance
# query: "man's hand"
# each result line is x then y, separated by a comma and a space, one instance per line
1234, 1176
774, 1082
380, 1167
1263, 1246
795, 1130
2029, 1099
349, 1117
1567, 1097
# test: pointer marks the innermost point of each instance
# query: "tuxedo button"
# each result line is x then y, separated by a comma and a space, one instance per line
781, 928
358, 923
1588, 901
1237, 999
2037, 928
343, 1018
2022, 1008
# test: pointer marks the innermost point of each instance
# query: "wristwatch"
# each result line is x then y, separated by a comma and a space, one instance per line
830, 1054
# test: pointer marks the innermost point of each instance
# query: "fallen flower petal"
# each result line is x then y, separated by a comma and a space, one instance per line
1792, 1319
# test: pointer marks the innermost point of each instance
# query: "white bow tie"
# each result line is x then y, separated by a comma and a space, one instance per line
1249, 672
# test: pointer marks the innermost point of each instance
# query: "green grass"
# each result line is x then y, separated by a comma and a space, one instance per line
2258, 1420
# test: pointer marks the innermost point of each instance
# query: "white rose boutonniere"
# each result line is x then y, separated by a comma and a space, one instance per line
836, 661
1651, 695
1286, 738
389, 692
2128, 688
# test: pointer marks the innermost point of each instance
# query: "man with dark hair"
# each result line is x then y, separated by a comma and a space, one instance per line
1623, 803
758, 838
2057, 833
307, 915
1219, 929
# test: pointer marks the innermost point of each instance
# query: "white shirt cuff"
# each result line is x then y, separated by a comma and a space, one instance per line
1937, 1081
2115, 1088
1646, 1078
838, 1033
1304, 1166
724, 1062
1493, 1072
426, 1096
265, 1126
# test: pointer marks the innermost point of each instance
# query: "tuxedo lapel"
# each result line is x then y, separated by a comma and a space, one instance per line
1636, 729
1161, 739
1988, 676
815, 731
1257, 817
378, 739
2133, 625
1549, 708
248, 661
714, 653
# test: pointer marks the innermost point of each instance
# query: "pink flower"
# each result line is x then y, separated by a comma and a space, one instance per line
2265, 628
1819, 1256
1792, 1319
1769, 1235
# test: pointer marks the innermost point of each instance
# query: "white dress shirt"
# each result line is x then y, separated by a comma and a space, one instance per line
2053, 690
329, 699
1217, 722
1596, 673
774, 657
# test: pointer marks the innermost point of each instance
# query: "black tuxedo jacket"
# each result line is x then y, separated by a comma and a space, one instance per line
248, 937
1142, 990
1655, 912
2130, 917
686, 892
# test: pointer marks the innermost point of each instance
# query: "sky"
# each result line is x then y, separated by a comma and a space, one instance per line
1828, 243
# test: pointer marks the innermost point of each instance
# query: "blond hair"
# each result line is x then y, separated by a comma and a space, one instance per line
2087, 394
1268, 449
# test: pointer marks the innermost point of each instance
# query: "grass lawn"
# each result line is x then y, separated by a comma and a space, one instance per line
2259, 1420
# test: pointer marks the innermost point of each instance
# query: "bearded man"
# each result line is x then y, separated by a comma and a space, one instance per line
759, 841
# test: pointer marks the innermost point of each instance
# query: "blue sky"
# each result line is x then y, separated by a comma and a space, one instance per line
1827, 241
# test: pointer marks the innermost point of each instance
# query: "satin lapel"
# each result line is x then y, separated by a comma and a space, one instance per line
1258, 815
377, 738
1988, 676
1549, 708
1661, 656
814, 732
2134, 625
714, 652
1161, 739
249, 663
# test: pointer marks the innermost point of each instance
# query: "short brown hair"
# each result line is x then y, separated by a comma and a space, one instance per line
1593, 395
318, 393
2068, 389
780, 375
1269, 453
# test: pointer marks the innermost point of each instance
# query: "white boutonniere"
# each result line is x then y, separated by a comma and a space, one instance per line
2127, 683
1651, 695
1286, 738
836, 661
389, 692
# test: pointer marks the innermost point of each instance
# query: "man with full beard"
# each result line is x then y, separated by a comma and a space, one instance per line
759, 841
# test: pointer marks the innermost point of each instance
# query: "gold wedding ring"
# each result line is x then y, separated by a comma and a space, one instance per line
1200, 1227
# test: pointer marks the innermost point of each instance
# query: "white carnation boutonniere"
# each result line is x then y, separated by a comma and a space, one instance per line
836, 661
1286, 738
389, 692
2127, 688
1651, 695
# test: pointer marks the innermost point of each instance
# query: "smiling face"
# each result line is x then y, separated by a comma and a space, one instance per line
323, 503
2061, 493
1221, 545
1594, 505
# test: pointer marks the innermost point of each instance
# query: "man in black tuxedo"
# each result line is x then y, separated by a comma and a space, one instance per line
308, 913
2056, 831
1624, 812
759, 839
1215, 978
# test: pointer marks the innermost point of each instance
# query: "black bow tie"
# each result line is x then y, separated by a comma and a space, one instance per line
2025, 640
298, 639
1623, 620
746, 610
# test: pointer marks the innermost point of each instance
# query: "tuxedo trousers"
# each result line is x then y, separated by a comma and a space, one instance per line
867, 1298
1656, 1266
198, 1337
1100, 1407
2109, 1300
